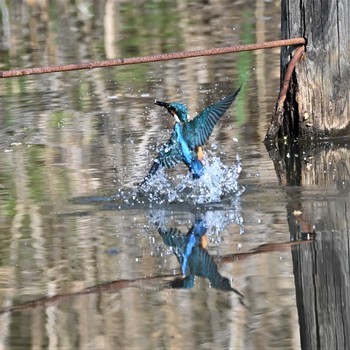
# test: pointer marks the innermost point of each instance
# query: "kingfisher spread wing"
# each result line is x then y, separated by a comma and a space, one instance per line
169, 155
198, 130
193, 135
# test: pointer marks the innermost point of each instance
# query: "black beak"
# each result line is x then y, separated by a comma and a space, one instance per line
162, 104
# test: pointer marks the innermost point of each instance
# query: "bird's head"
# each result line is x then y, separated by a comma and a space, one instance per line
176, 109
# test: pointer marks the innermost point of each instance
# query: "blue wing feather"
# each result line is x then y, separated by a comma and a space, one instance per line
198, 130
169, 155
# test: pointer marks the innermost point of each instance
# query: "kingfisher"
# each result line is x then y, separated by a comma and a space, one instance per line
188, 136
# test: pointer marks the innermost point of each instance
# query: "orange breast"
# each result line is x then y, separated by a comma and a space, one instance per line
204, 241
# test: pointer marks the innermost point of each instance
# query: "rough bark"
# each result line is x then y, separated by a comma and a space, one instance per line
318, 100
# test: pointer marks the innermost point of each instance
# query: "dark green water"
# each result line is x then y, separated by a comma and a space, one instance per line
88, 262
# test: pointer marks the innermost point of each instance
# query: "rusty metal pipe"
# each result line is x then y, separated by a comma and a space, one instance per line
152, 58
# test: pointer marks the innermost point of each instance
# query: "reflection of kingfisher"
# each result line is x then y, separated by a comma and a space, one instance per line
188, 137
194, 259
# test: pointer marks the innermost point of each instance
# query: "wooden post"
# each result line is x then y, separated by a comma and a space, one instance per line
317, 105
318, 98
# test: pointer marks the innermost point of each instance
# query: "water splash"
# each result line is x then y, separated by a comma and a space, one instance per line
216, 220
218, 183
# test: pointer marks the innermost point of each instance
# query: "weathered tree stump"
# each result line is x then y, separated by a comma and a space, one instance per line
318, 98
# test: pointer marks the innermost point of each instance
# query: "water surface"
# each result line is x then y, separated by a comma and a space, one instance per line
88, 261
